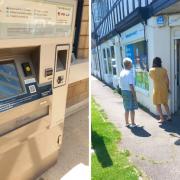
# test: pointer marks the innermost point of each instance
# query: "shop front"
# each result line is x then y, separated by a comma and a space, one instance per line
135, 47
111, 61
106, 55
174, 23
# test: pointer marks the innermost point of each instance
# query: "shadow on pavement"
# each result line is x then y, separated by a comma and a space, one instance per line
139, 131
172, 126
101, 150
177, 142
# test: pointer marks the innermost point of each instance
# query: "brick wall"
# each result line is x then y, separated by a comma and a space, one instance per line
77, 92
83, 47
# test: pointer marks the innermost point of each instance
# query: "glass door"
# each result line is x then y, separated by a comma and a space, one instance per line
178, 72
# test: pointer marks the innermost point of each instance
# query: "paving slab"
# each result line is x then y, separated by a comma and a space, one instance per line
75, 148
154, 148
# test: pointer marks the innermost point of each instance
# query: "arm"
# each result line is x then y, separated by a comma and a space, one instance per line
167, 81
133, 91
150, 74
131, 85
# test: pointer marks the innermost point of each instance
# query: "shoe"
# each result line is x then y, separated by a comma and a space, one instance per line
160, 121
169, 118
133, 125
127, 125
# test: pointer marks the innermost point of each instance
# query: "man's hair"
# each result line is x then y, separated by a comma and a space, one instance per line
126, 62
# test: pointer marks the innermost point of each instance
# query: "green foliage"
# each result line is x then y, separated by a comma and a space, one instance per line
108, 163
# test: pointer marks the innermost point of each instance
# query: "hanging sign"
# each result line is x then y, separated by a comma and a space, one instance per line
133, 34
160, 20
174, 20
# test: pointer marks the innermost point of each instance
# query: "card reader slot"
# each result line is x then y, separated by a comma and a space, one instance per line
23, 120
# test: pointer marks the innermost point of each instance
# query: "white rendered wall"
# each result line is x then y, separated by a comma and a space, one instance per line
109, 78
158, 45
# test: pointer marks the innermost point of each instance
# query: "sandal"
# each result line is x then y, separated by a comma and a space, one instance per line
169, 118
161, 121
133, 125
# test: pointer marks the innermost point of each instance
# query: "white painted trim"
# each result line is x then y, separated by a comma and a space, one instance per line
173, 69
77, 107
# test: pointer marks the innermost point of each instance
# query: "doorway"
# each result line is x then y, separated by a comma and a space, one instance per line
177, 75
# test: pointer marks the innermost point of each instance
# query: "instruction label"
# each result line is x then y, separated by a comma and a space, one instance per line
34, 17
64, 15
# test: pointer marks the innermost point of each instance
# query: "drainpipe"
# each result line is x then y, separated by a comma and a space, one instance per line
78, 26
146, 46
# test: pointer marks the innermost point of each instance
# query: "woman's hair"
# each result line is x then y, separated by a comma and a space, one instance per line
157, 62
126, 62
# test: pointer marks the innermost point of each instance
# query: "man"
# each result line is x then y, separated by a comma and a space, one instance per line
128, 92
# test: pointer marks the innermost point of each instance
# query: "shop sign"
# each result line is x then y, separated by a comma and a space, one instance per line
174, 20
160, 20
133, 34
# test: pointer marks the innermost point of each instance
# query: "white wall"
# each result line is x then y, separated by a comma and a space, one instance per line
158, 45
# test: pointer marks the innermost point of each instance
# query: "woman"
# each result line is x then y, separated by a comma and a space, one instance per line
128, 92
161, 87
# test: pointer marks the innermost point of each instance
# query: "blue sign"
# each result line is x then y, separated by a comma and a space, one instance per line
160, 20
130, 52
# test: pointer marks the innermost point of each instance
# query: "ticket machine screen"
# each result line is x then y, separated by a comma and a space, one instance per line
9, 80
18, 83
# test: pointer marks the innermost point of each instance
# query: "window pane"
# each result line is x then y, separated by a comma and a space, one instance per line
112, 52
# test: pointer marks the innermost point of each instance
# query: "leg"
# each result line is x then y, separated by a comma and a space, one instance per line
159, 110
127, 117
167, 110
132, 113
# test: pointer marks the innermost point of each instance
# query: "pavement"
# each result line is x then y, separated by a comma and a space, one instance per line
74, 153
154, 148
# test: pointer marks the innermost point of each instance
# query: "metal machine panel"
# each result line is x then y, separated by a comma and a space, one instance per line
61, 65
23, 120
34, 69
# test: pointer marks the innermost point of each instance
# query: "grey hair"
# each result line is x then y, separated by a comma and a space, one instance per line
126, 62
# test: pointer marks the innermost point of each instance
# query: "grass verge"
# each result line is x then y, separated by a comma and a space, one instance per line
108, 163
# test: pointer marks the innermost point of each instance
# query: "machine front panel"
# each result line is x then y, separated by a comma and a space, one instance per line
61, 65
33, 93
18, 84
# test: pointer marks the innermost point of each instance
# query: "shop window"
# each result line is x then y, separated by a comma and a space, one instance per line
104, 53
109, 61
108, 53
114, 67
138, 53
112, 52
96, 62
114, 71
105, 65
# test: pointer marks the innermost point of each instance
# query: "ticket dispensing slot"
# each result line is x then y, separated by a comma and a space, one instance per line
19, 86
62, 56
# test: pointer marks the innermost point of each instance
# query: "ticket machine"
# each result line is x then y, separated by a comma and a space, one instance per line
35, 51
